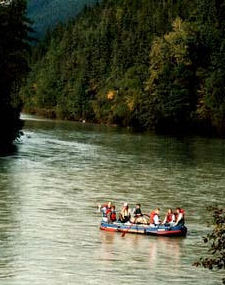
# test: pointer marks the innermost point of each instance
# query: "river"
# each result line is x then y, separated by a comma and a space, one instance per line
50, 186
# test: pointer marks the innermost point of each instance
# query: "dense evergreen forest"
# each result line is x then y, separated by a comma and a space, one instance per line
14, 28
147, 64
45, 14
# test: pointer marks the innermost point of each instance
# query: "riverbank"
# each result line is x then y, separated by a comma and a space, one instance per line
54, 115
202, 130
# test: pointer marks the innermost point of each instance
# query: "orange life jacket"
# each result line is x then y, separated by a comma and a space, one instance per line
152, 215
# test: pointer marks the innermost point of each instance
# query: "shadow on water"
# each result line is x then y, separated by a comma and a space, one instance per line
8, 150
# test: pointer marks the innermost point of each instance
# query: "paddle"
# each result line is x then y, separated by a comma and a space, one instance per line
124, 233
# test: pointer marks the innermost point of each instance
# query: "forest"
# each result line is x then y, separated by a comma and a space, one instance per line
14, 47
146, 64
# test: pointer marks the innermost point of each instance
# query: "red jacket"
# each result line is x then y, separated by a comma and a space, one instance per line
169, 218
113, 216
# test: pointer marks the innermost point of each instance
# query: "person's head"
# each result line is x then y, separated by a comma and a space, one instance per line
170, 211
125, 205
109, 204
178, 210
138, 206
113, 208
157, 211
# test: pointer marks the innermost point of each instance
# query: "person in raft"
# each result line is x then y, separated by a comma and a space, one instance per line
169, 218
179, 217
154, 217
137, 211
106, 210
112, 215
125, 214
138, 217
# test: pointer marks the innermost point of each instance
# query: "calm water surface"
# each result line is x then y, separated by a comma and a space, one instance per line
49, 188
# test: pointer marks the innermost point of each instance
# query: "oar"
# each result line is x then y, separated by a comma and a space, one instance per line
124, 233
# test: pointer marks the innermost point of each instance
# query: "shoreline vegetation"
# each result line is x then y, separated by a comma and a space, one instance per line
52, 115
145, 64
14, 28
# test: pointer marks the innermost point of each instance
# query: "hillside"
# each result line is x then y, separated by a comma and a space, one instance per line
47, 13
143, 63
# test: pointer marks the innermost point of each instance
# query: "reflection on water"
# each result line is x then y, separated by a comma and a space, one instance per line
49, 188
153, 248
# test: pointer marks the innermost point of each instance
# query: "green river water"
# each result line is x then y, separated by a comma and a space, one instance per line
50, 186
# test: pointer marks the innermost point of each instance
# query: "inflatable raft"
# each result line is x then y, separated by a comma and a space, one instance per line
161, 230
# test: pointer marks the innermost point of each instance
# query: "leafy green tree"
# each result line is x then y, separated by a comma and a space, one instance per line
171, 95
211, 107
216, 243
